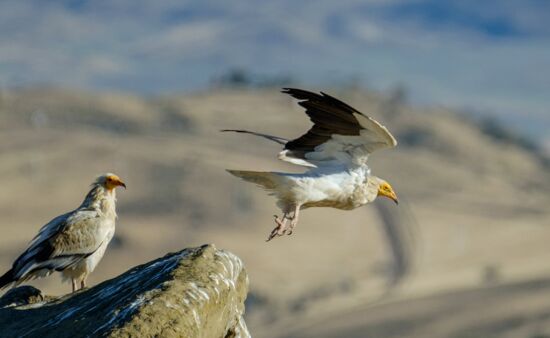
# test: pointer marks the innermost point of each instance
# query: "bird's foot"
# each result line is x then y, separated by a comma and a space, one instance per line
280, 229
293, 222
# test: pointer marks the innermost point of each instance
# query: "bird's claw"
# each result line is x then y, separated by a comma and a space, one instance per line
270, 237
281, 228
273, 234
292, 225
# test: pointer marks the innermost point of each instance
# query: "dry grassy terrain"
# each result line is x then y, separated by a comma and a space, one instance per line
474, 209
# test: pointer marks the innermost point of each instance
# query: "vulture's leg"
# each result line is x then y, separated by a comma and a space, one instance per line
294, 219
73, 281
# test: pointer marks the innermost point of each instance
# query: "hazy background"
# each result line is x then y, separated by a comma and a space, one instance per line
141, 88
491, 57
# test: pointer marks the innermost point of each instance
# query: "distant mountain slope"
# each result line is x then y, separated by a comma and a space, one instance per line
480, 312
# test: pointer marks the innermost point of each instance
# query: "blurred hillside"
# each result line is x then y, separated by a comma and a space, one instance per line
474, 212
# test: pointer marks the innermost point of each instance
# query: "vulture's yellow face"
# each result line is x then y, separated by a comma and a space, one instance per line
385, 189
112, 181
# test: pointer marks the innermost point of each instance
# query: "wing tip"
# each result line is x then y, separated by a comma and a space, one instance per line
300, 94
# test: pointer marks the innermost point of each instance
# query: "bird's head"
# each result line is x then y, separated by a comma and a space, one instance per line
385, 189
110, 181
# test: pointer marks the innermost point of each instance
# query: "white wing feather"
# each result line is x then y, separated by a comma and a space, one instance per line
346, 149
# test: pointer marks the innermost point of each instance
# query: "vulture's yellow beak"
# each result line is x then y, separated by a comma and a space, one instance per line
385, 189
113, 181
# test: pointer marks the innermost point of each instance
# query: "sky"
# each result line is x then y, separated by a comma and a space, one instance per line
489, 57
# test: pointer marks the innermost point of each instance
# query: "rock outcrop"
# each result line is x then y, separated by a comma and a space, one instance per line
197, 292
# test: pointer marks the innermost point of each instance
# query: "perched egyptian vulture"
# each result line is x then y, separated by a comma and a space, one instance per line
72, 243
336, 149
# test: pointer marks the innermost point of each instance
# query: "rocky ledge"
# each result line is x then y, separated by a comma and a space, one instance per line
198, 292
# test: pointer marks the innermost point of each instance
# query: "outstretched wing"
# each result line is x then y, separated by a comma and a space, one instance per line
60, 244
340, 133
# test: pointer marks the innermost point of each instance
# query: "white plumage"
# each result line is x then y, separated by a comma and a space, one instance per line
336, 149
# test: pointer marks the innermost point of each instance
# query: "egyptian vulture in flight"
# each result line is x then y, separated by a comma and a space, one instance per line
336, 150
72, 243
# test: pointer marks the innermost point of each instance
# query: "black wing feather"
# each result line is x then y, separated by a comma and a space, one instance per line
329, 116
